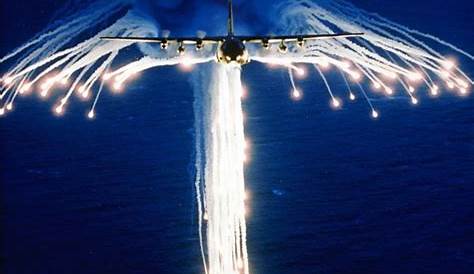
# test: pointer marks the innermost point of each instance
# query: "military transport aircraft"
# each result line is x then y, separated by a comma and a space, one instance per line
231, 48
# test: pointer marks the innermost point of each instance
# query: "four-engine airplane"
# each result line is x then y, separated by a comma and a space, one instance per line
231, 48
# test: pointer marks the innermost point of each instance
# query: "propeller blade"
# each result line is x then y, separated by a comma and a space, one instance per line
201, 34
165, 33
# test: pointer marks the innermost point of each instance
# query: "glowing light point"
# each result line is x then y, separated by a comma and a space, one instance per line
389, 90
2, 111
117, 86
449, 64
246, 196
445, 74
301, 72
376, 85
411, 89
243, 92
9, 106
450, 85
44, 93
187, 63
375, 114
50, 81
59, 109
91, 114
246, 144
336, 103
85, 94
324, 63
352, 96
391, 75
462, 83
296, 94
414, 101
205, 216
356, 76
463, 91
434, 90
106, 76
24, 88
45, 86
346, 64
64, 81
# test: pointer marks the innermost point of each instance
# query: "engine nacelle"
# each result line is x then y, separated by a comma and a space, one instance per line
300, 42
181, 48
232, 51
199, 45
282, 47
164, 44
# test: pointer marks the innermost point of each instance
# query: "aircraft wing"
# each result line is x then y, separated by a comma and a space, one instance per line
184, 40
295, 38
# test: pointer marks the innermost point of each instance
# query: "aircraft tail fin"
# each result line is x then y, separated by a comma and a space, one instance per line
230, 19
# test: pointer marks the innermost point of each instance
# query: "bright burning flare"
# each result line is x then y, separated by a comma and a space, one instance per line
296, 94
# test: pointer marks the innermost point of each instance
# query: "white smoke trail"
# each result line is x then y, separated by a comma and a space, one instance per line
220, 137
386, 54
50, 59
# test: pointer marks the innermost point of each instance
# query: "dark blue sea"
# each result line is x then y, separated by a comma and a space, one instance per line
330, 191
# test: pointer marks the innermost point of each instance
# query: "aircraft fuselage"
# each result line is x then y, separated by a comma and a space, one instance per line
232, 51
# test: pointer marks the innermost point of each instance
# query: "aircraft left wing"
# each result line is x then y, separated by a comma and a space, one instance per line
296, 38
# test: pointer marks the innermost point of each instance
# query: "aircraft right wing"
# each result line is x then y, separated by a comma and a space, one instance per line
296, 38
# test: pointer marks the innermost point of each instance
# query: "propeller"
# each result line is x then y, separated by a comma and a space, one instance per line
165, 33
265, 43
200, 35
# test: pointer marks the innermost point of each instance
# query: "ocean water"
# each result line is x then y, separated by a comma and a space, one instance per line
330, 191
